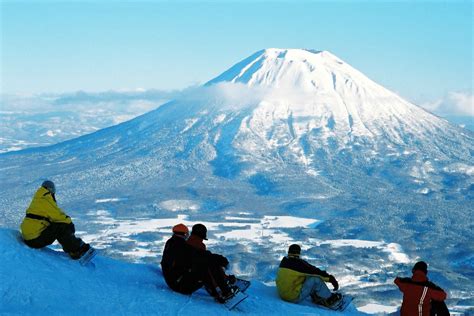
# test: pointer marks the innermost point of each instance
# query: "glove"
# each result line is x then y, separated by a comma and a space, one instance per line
224, 262
334, 283
221, 260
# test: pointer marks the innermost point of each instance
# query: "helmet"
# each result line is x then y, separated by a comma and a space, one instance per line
49, 185
180, 229
200, 230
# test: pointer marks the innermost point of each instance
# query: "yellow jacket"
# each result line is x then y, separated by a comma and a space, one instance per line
291, 275
43, 205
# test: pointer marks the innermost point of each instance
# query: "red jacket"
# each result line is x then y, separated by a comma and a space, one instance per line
417, 294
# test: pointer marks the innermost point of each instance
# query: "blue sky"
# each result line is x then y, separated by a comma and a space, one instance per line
422, 50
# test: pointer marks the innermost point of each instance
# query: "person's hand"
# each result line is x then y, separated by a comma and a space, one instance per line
220, 260
224, 262
334, 283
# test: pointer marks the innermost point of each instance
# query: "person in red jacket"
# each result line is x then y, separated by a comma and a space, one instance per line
211, 265
418, 292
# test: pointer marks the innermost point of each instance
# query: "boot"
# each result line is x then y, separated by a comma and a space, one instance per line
224, 296
332, 300
80, 252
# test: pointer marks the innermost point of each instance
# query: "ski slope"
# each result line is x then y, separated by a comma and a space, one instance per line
47, 282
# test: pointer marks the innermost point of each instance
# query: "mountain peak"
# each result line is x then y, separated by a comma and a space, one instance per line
304, 69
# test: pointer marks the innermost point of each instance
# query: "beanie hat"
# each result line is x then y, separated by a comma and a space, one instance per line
294, 250
422, 266
180, 229
200, 230
49, 185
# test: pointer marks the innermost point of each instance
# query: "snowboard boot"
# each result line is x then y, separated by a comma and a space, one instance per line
226, 293
75, 255
316, 299
332, 301
224, 297
231, 279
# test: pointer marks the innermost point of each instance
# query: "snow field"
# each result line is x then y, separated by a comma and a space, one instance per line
47, 282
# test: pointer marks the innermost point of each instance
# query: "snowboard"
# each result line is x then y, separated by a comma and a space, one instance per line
341, 306
243, 285
235, 300
86, 259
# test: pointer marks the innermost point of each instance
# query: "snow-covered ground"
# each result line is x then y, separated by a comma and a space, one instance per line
48, 282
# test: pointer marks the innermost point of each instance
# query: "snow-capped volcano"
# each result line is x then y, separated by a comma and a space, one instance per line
312, 100
279, 114
283, 132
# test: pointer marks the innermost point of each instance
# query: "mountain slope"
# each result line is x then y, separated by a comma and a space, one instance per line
47, 282
284, 132
311, 113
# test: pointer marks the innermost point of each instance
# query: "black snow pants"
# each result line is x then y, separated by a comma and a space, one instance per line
203, 273
63, 233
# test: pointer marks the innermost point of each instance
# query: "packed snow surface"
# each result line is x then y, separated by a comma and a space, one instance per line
48, 282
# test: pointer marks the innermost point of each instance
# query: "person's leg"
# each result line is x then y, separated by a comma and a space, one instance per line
212, 277
314, 287
67, 239
47, 237
218, 278
188, 283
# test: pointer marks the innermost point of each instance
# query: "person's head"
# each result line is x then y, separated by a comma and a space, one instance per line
181, 230
420, 266
294, 251
199, 230
49, 185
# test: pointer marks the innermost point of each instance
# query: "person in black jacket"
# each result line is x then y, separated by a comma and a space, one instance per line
298, 280
187, 268
176, 259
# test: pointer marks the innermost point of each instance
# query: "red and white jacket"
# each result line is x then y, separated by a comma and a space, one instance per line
418, 293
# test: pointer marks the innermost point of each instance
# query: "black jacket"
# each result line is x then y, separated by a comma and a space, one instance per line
176, 260
300, 265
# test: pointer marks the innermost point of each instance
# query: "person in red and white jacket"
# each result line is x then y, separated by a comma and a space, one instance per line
419, 293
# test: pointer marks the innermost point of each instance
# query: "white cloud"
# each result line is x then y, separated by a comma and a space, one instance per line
236, 95
454, 103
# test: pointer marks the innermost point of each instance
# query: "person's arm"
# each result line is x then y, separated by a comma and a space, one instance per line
400, 282
438, 294
219, 259
54, 212
310, 269
326, 277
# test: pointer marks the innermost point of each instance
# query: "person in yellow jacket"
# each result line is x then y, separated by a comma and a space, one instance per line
45, 222
297, 280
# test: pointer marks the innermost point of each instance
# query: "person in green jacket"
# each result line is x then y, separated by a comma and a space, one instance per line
45, 222
297, 280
